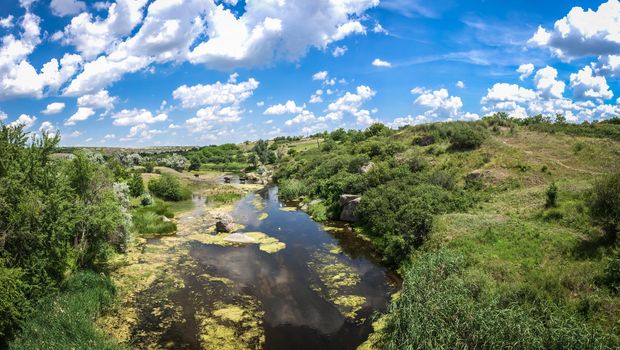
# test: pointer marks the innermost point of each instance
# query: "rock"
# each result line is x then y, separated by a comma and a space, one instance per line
165, 219
366, 168
349, 203
224, 223
239, 238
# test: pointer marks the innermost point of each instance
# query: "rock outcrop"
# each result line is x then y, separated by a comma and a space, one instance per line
224, 223
349, 204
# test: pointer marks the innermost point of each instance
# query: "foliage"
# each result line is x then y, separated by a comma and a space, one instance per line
136, 185
441, 307
57, 216
263, 154
66, 320
611, 273
169, 188
146, 220
605, 204
175, 161
465, 136
552, 196
224, 197
291, 189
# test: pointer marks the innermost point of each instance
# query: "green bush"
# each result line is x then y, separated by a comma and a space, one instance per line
226, 197
67, 320
13, 302
466, 136
136, 185
169, 188
147, 221
552, 196
605, 204
440, 307
291, 189
611, 274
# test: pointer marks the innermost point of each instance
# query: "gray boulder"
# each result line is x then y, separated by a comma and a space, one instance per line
224, 223
366, 168
349, 203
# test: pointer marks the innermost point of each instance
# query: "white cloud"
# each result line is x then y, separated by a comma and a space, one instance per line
215, 94
276, 30
25, 120
206, 118
583, 33
460, 84
503, 92
526, 70
54, 108
322, 75
439, 104
49, 128
381, 63
317, 96
109, 137
408, 120
546, 82
67, 7
290, 107
137, 117
608, 65
378, 28
93, 36
339, 51
586, 85
6, 22
99, 100
351, 103
82, 114
303, 117
3, 116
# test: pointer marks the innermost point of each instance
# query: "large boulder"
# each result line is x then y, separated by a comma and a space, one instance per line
366, 168
224, 223
349, 203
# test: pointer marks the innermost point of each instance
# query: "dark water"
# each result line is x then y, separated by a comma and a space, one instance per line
295, 315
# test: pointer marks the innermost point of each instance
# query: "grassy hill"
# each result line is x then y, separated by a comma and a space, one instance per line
487, 262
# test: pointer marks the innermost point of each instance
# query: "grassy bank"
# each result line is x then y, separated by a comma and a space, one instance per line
462, 210
66, 320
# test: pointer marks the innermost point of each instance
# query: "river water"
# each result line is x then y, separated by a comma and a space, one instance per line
319, 290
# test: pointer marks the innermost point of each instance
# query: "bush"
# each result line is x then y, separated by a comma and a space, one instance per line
147, 221
552, 196
291, 189
136, 185
611, 274
466, 136
605, 204
146, 199
169, 188
13, 302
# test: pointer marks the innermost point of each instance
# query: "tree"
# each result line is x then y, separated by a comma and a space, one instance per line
136, 185
552, 196
605, 204
194, 163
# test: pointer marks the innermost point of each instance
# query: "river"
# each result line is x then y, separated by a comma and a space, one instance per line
301, 286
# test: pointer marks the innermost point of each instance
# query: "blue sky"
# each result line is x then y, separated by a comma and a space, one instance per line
195, 72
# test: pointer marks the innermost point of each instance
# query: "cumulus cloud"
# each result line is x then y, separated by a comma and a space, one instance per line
439, 103
49, 128
583, 32
546, 82
351, 103
128, 117
317, 97
339, 51
290, 107
408, 120
276, 30
322, 75
303, 117
6, 22
24, 120
99, 100
82, 114
526, 70
215, 94
54, 108
3, 116
381, 63
608, 65
67, 7
460, 84
586, 85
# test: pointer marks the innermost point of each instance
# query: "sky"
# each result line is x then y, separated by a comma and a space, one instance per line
198, 72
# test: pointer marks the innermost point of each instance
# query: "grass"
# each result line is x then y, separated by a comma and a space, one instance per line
149, 220
222, 195
67, 319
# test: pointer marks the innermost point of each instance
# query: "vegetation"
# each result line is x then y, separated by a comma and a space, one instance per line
58, 216
169, 188
66, 320
494, 254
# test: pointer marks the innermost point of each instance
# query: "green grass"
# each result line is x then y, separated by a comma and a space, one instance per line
149, 220
67, 319
233, 167
219, 198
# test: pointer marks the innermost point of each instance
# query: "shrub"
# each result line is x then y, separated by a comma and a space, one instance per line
147, 221
13, 302
136, 185
611, 273
146, 199
169, 188
465, 136
443, 179
291, 189
552, 196
605, 204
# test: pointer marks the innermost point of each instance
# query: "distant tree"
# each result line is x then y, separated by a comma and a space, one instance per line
136, 185
194, 163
